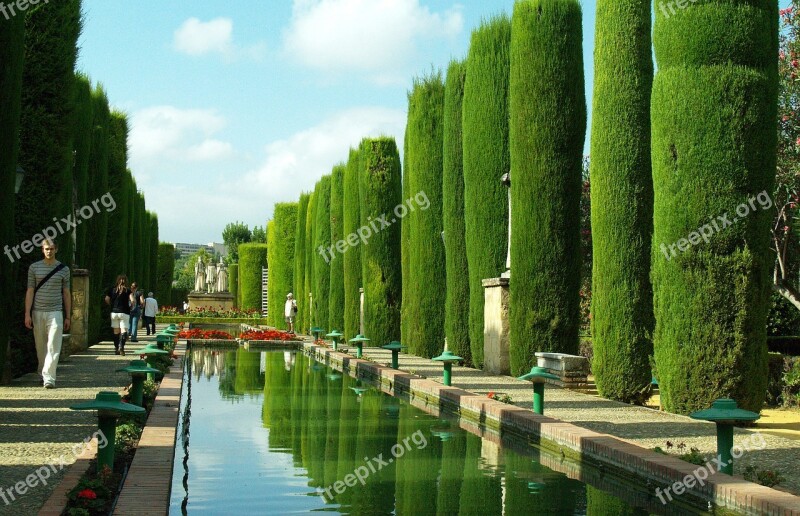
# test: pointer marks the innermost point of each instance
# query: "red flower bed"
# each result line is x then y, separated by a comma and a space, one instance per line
267, 335
204, 334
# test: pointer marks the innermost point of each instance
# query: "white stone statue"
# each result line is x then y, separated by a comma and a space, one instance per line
222, 277
199, 275
506, 180
211, 277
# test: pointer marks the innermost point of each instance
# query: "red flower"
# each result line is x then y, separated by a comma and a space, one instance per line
490, 395
88, 494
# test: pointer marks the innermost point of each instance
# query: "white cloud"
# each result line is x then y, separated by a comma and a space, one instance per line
198, 38
169, 133
376, 36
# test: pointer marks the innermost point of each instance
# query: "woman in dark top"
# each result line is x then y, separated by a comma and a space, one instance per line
120, 298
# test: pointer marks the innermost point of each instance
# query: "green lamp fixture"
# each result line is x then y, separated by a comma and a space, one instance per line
725, 413
334, 336
395, 348
138, 369
538, 376
151, 352
447, 358
359, 341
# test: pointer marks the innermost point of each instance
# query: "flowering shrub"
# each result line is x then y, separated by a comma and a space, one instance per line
211, 312
204, 334
498, 396
267, 335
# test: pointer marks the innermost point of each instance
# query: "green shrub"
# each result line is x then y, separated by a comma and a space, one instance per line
82, 145
622, 200
152, 255
280, 242
300, 292
116, 261
352, 258
166, 266
783, 318
713, 148
308, 281
548, 125
322, 239
233, 282
486, 159
336, 289
252, 258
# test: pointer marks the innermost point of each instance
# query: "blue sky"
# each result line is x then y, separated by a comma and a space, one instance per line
237, 105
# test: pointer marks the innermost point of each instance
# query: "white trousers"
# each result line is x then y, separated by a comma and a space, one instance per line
47, 332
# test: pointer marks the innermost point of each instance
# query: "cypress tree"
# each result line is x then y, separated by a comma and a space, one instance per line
82, 145
379, 193
622, 200
281, 259
322, 239
457, 301
300, 292
336, 289
252, 258
233, 282
310, 254
153, 252
427, 283
352, 257
12, 51
116, 248
713, 153
165, 268
547, 131
486, 159
405, 250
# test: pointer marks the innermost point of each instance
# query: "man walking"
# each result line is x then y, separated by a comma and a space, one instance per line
47, 299
150, 311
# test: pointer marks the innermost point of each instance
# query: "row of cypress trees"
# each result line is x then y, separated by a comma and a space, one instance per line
58, 127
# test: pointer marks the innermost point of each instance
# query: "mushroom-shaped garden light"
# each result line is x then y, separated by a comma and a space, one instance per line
316, 330
725, 414
334, 336
447, 358
109, 407
538, 376
138, 370
395, 348
359, 341
150, 352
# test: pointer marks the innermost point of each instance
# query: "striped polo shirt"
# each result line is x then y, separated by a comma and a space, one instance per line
49, 297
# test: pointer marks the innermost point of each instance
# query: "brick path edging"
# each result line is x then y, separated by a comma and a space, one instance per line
54, 505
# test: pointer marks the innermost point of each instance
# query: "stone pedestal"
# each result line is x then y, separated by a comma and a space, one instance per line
573, 370
79, 318
495, 326
217, 300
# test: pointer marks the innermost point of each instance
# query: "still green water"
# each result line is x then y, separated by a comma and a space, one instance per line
278, 433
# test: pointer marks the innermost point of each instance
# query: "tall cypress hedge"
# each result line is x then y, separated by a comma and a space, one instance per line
308, 281
12, 51
82, 145
457, 301
622, 200
352, 257
426, 267
405, 250
486, 159
322, 239
233, 282
300, 292
153, 252
547, 131
379, 193
252, 257
116, 248
336, 289
281, 259
713, 152
166, 266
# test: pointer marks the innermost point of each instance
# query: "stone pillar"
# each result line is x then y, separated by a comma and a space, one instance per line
79, 329
361, 311
495, 326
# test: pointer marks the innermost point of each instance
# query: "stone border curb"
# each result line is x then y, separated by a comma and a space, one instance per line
54, 505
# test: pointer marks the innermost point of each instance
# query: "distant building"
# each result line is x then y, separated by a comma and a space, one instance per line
212, 248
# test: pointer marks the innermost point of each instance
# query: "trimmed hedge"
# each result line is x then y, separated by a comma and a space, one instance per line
714, 106
233, 282
547, 132
252, 257
426, 266
352, 258
116, 245
622, 201
336, 288
379, 192
405, 250
300, 292
82, 145
281, 259
12, 48
308, 281
152, 255
165, 268
322, 239
486, 159
457, 301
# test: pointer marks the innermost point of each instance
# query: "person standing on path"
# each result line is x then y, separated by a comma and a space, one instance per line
289, 311
46, 300
120, 298
150, 311
136, 311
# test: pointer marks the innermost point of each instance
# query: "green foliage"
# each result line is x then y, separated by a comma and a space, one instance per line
235, 233
336, 290
426, 287
308, 280
548, 126
166, 263
300, 292
233, 282
259, 235
713, 149
252, 257
352, 258
405, 249
118, 177
783, 318
82, 145
12, 47
379, 192
322, 239
281, 260
622, 190
765, 477
457, 301
486, 159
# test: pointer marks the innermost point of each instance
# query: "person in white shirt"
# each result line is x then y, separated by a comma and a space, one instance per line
150, 311
289, 311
